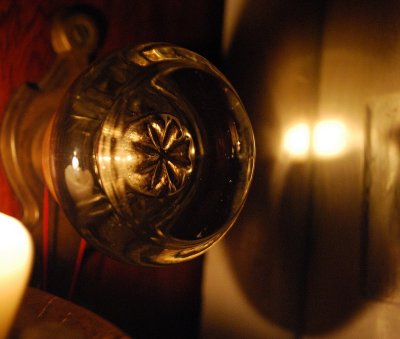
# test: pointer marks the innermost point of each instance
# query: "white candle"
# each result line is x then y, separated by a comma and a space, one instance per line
16, 256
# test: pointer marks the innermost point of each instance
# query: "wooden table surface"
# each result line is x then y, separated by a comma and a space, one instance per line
43, 315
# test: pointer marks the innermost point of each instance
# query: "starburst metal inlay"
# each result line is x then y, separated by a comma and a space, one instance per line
161, 155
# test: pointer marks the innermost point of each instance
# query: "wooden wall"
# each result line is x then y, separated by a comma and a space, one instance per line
316, 251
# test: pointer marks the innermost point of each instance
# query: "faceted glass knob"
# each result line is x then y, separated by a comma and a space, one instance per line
151, 154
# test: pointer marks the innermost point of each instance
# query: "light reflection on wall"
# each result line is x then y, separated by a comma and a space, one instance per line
296, 140
326, 139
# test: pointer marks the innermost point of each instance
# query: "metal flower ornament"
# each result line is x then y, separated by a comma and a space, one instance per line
162, 155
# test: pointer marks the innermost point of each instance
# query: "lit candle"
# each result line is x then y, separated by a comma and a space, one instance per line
16, 256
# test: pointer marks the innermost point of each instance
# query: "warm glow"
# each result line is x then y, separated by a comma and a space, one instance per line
297, 140
16, 252
329, 138
75, 162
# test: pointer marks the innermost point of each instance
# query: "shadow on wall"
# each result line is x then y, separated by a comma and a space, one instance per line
274, 63
267, 246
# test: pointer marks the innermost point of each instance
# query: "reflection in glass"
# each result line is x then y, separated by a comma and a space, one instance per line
79, 182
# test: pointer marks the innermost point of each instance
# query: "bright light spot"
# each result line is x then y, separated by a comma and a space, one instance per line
296, 140
75, 162
16, 254
330, 138
15, 243
156, 126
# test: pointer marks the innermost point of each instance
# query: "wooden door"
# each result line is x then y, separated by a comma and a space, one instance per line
145, 302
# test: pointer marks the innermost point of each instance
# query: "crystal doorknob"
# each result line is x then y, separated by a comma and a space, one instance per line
151, 154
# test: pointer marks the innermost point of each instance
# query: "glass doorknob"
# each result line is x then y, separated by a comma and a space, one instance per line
150, 153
